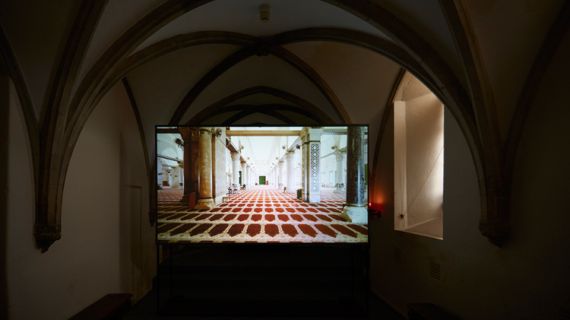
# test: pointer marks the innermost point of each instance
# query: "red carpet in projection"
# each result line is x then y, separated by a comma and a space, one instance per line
260, 215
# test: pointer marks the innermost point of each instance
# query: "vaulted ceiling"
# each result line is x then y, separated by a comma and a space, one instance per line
359, 79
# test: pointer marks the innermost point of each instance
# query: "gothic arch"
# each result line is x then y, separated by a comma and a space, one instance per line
69, 114
244, 110
260, 47
13, 70
298, 105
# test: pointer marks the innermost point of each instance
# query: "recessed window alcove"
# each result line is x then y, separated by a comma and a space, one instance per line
418, 160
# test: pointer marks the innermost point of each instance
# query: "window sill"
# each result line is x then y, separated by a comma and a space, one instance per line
431, 229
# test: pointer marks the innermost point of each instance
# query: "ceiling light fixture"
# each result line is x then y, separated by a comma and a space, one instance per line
264, 12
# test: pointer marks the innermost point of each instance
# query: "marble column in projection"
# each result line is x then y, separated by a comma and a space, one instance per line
243, 177
281, 173
273, 177
290, 158
190, 166
311, 164
206, 200
356, 209
235, 169
247, 185
339, 181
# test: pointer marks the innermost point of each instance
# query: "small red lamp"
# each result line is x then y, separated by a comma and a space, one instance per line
375, 209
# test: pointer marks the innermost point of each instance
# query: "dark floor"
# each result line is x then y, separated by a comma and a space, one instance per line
378, 310
262, 282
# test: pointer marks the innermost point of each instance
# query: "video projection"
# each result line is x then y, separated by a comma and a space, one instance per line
262, 184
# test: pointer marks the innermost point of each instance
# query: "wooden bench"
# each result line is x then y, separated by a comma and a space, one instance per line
111, 306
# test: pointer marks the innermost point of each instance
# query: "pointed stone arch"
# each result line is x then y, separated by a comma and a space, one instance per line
298, 105
13, 70
412, 51
260, 47
243, 110
263, 109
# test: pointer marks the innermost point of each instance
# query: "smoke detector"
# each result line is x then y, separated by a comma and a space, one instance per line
264, 12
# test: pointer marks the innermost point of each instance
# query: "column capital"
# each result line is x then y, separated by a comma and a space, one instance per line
185, 133
217, 132
311, 134
188, 133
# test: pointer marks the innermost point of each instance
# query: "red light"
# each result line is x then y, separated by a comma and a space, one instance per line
376, 208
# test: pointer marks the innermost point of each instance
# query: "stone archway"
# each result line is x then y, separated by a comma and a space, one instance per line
69, 114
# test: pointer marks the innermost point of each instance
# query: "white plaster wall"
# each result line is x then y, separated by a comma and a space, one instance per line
509, 34
137, 236
525, 279
86, 263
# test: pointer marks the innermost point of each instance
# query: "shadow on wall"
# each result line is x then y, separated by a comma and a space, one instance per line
4, 110
136, 234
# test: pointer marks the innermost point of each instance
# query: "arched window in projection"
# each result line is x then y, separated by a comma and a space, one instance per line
418, 159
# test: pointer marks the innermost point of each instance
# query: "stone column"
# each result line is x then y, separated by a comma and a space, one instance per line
356, 207
219, 181
205, 164
235, 169
281, 174
190, 166
339, 172
243, 173
272, 176
298, 175
311, 164
290, 159
248, 175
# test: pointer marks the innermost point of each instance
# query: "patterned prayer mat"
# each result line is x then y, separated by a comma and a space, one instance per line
257, 216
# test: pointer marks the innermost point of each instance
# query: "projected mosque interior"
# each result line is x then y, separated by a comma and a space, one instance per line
262, 184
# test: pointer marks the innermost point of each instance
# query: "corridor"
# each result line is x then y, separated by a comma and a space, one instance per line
260, 215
